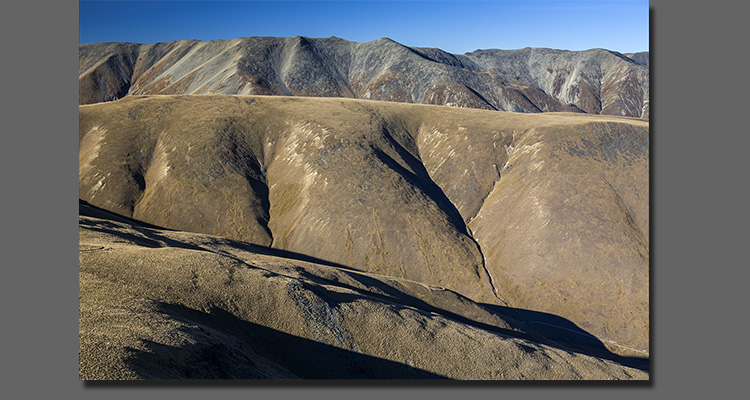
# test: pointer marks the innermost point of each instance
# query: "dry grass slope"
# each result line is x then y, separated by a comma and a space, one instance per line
545, 212
159, 304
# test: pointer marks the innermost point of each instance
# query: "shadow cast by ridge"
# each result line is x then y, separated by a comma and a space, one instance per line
535, 326
152, 239
548, 329
227, 347
565, 334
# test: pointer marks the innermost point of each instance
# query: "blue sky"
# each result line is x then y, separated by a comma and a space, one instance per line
454, 26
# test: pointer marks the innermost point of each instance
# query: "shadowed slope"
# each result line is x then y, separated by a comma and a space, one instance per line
106, 71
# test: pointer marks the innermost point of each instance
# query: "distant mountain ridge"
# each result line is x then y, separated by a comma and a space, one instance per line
528, 80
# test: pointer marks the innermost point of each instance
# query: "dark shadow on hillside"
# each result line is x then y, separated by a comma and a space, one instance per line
89, 210
535, 326
563, 333
153, 239
420, 178
304, 257
540, 327
148, 236
389, 294
226, 347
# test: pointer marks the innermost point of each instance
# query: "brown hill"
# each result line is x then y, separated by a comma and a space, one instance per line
160, 304
531, 80
543, 212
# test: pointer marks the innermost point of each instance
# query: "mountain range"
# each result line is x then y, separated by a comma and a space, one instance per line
529, 80
532, 224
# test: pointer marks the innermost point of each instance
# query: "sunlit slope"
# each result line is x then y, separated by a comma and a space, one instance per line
566, 228
159, 304
556, 204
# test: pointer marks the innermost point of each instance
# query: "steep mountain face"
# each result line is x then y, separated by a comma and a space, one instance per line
545, 212
528, 80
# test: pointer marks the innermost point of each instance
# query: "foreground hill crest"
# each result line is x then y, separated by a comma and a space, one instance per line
528, 80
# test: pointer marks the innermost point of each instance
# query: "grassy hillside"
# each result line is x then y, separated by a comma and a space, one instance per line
160, 304
542, 212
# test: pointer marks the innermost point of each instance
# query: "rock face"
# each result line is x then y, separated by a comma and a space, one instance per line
529, 80
546, 214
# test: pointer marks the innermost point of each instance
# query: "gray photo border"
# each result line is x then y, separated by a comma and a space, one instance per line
697, 94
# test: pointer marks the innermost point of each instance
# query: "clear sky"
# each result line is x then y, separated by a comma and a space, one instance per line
454, 26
